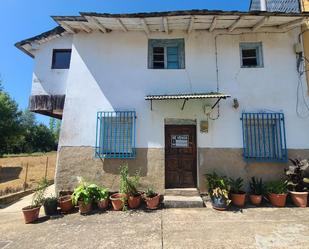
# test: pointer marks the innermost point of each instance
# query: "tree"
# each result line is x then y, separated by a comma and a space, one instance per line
10, 129
54, 126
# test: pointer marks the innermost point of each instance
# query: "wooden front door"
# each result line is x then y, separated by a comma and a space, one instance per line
180, 156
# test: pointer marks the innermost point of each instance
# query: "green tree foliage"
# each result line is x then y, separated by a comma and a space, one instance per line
20, 132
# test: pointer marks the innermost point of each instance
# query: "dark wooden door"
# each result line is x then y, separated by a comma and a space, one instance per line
180, 156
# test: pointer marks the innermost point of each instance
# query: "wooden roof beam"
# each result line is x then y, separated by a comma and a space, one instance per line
213, 24
260, 23
97, 23
145, 26
68, 28
235, 24
85, 27
292, 23
165, 24
191, 25
122, 26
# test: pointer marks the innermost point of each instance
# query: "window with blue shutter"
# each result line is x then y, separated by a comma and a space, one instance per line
251, 54
264, 137
115, 135
166, 54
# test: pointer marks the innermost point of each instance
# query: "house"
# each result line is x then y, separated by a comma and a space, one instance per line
174, 94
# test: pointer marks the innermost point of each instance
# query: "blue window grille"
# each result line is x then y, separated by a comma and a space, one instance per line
115, 135
264, 137
166, 54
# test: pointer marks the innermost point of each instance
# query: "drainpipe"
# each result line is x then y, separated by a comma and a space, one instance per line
263, 5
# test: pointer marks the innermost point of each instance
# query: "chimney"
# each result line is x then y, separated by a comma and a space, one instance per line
263, 5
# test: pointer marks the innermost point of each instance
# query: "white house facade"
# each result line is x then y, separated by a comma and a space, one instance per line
174, 94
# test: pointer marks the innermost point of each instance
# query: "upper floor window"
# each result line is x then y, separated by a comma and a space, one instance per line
61, 59
251, 54
166, 54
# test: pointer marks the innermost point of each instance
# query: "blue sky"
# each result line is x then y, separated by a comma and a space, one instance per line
24, 19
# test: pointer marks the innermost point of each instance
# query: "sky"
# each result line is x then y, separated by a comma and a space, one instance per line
23, 19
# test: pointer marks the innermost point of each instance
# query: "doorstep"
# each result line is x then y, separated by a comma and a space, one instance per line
182, 198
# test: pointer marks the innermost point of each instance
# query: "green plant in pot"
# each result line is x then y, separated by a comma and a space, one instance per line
102, 198
119, 200
50, 206
218, 190
298, 184
277, 192
238, 196
152, 198
83, 196
257, 190
134, 196
31, 213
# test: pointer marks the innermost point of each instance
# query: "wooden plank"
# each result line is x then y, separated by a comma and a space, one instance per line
85, 27
260, 23
191, 25
165, 24
292, 23
121, 25
235, 24
67, 27
145, 26
213, 24
96, 23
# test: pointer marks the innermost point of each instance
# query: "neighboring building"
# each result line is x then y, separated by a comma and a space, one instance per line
287, 6
175, 94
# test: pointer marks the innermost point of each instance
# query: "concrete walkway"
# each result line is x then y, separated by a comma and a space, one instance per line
169, 228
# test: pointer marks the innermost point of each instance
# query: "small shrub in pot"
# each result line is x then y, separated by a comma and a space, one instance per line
102, 198
152, 198
256, 191
238, 196
298, 184
277, 192
51, 206
83, 196
134, 196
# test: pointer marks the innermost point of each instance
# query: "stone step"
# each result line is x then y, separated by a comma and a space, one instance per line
171, 201
182, 192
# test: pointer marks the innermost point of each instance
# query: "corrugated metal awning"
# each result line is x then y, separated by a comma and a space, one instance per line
188, 96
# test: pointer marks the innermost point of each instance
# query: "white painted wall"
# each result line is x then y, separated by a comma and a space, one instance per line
109, 71
45, 80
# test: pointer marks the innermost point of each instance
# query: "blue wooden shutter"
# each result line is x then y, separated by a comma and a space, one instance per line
172, 57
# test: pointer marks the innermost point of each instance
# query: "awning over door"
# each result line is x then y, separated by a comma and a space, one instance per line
188, 96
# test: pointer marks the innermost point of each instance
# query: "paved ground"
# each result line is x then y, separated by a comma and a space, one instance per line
169, 228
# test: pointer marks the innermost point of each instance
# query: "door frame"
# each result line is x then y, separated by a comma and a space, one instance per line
183, 122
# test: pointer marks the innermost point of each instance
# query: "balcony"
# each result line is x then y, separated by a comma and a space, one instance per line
49, 105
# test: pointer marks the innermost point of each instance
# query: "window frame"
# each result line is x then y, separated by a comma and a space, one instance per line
166, 43
258, 46
54, 58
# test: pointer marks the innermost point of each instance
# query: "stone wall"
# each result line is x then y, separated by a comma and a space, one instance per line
74, 162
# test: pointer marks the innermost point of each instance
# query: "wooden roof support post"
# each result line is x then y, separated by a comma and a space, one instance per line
191, 25
122, 26
97, 23
213, 24
292, 23
165, 24
85, 28
67, 28
145, 26
260, 23
235, 24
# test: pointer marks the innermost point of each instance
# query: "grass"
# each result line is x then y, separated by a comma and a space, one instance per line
29, 154
13, 170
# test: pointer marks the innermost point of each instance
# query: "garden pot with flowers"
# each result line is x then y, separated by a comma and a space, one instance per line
238, 196
102, 198
152, 199
83, 196
277, 192
134, 196
256, 191
298, 184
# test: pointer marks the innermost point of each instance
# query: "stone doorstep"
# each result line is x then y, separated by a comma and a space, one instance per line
183, 202
182, 192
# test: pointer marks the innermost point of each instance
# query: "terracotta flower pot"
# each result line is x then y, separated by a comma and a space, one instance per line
118, 201
103, 204
31, 214
153, 203
300, 199
277, 200
65, 203
238, 199
134, 201
255, 199
84, 208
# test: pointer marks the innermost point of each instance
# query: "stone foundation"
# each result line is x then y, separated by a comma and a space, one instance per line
74, 162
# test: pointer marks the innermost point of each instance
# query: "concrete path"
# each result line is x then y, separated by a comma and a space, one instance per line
261, 228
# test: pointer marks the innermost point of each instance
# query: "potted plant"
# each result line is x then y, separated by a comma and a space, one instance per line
83, 196
218, 190
119, 200
31, 213
238, 196
102, 198
152, 199
277, 192
50, 205
256, 191
65, 203
297, 183
134, 196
